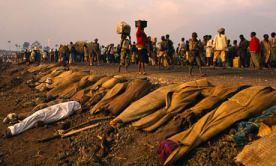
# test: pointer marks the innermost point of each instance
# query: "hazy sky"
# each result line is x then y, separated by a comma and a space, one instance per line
62, 21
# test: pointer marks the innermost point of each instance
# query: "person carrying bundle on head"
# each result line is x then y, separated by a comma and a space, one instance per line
142, 44
125, 45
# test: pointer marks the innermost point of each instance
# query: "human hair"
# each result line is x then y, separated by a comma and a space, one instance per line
194, 34
253, 33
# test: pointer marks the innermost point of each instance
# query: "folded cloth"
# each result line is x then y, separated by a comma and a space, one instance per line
249, 102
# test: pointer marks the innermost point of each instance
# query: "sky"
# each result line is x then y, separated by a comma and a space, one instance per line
61, 21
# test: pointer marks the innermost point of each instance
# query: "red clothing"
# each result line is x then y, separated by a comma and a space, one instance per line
142, 39
254, 45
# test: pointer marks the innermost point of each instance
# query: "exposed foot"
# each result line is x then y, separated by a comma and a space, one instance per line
115, 122
7, 133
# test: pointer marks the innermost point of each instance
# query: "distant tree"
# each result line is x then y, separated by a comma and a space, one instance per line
26, 45
36, 44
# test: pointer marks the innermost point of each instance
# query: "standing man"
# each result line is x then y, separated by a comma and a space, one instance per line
134, 52
243, 51
27, 56
103, 55
56, 56
90, 53
96, 51
194, 55
220, 46
162, 55
273, 49
209, 51
142, 44
86, 53
254, 48
233, 52
150, 51
52, 56
125, 52
266, 51
72, 55
170, 49
182, 51
60, 55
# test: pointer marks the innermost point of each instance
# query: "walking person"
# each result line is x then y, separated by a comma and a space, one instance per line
182, 51
162, 55
52, 55
233, 53
86, 53
243, 51
96, 51
266, 51
194, 55
72, 55
56, 55
142, 42
124, 52
254, 48
170, 49
273, 49
134, 52
209, 51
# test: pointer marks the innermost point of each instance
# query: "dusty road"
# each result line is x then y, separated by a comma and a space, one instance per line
228, 76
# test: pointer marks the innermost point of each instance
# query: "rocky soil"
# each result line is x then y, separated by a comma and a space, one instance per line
104, 145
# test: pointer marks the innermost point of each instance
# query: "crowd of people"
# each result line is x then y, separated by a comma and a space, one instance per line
210, 51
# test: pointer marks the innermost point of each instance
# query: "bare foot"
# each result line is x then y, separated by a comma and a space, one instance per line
7, 133
114, 122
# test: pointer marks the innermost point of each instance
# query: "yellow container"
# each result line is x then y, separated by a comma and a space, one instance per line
236, 62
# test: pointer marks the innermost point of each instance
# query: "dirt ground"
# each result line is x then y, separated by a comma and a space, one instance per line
125, 145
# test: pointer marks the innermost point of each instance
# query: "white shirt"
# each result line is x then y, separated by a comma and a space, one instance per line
209, 48
182, 45
102, 50
220, 42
